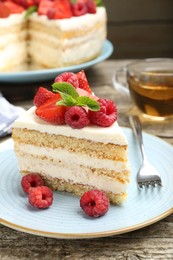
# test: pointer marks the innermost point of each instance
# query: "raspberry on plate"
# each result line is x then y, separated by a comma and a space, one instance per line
30, 181
41, 197
76, 117
107, 114
94, 203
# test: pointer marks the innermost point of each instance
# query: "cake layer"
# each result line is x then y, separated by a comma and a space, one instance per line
68, 41
50, 43
78, 189
73, 173
81, 146
110, 135
13, 55
13, 42
59, 154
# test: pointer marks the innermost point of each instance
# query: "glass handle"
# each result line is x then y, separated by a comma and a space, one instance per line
118, 84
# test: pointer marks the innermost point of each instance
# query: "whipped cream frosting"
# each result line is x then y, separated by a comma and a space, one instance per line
112, 134
11, 20
69, 24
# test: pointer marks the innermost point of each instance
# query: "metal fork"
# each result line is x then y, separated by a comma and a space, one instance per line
147, 175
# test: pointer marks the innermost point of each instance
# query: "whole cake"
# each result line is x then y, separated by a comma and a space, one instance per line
72, 139
50, 33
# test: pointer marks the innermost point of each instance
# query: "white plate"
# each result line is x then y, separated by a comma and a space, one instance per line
65, 219
49, 74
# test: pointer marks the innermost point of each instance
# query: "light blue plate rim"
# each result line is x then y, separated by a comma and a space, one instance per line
65, 219
49, 74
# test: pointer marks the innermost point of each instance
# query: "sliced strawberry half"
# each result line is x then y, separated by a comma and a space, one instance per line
51, 112
62, 9
4, 11
42, 96
83, 82
44, 7
25, 3
13, 7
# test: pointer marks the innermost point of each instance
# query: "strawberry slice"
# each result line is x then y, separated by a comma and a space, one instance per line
83, 82
62, 9
13, 7
44, 7
25, 3
52, 113
4, 11
83, 92
42, 96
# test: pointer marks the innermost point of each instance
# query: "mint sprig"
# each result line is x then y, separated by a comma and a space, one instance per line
70, 97
98, 2
30, 10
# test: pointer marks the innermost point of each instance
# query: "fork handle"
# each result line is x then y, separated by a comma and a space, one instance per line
137, 129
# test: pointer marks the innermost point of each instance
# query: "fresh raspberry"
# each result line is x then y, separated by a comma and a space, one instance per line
68, 77
79, 9
76, 117
94, 203
30, 181
51, 13
91, 5
42, 96
41, 197
107, 114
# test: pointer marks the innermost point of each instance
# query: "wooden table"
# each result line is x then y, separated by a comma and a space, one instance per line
152, 242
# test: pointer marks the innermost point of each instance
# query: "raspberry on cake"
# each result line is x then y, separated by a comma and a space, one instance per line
62, 141
50, 33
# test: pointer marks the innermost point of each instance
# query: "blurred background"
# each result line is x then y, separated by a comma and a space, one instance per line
140, 28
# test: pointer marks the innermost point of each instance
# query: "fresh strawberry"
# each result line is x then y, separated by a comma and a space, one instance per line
13, 7
44, 6
62, 9
83, 82
4, 11
42, 96
25, 3
51, 112
85, 93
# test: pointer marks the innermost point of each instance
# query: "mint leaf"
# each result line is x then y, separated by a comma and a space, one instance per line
67, 100
88, 102
70, 97
30, 10
99, 2
66, 88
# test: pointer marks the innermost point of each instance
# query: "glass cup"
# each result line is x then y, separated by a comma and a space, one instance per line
149, 84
